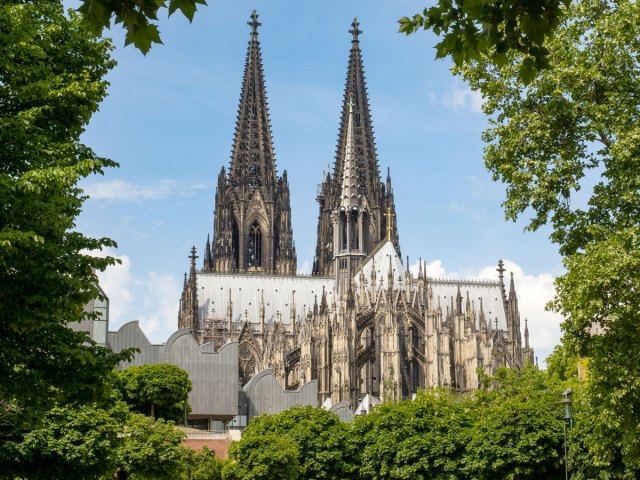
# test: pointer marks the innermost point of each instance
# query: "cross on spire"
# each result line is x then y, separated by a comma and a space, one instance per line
254, 23
355, 31
193, 256
389, 221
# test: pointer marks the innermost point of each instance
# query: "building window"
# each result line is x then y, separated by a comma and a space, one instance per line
255, 245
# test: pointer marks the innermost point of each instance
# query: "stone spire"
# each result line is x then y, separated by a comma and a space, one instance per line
356, 101
252, 158
356, 147
252, 214
207, 263
349, 195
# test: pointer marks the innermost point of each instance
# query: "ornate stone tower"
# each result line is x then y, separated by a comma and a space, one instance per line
252, 215
372, 194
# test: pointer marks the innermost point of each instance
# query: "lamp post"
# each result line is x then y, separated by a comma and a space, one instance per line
566, 401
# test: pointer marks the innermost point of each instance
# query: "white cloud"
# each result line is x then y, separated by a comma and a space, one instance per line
120, 190
463, 98
116, 282
151, 299
534, 292
305, 269
160, 295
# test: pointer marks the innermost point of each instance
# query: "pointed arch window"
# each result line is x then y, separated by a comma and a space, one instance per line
255, 245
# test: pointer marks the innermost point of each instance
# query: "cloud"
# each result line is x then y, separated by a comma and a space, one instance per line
123, 191
160, 295
533, 291
151, 299
462, 98
305, 269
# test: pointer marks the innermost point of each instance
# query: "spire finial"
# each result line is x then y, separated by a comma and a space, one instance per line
254, 23
389, 216
355, 31
193, 257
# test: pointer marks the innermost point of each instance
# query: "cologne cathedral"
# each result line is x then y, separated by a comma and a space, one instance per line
361, 323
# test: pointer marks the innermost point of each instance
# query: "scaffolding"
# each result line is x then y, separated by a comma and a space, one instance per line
213, 331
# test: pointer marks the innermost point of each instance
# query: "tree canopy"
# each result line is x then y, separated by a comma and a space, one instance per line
324, 450
136, 16
567, 148
493, 29
157, 390
51, 82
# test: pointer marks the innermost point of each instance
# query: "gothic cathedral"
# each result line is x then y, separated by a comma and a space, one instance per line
361, 323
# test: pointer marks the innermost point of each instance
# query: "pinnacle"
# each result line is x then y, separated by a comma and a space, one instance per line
254, 23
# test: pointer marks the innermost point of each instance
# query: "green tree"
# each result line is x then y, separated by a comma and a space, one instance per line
151, 449
576, 127
204, 465
263, 457
135, 16
322, 440
74, 441
420, 439
471, 29
562, 363
51, 81
157, 390
518, 432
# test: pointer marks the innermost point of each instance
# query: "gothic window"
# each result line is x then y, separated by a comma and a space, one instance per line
343, 232
247, 360
255, 245
235, 244
354, 229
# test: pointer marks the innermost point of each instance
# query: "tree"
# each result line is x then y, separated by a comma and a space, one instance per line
151, 449
576, 126
135, 16
51, 81
472, 29
420, 439
518, 432
204, 465
158, 390
74, 441
263, 457
322, 440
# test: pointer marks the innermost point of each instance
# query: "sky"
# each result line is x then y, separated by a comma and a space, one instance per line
169, 122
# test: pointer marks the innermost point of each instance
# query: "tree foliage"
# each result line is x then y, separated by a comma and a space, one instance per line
471, 29
418, 439
157, 390
73, 441
263, 457
576, 127
51, 82
518, 429
136, 17
322, 440
151, 449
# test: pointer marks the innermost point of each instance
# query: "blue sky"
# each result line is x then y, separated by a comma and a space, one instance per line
169, 121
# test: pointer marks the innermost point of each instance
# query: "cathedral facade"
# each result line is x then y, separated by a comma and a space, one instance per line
361, 323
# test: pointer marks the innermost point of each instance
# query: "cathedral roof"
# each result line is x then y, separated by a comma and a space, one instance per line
379, 259
445, 290
214, 288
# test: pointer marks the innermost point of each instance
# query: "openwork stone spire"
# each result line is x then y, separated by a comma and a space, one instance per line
252, 157
356, 99
252, 214
356, 145
350, 170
